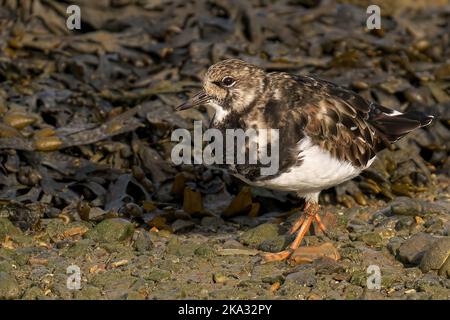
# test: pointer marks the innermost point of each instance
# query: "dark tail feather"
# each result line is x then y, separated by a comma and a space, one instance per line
395, 126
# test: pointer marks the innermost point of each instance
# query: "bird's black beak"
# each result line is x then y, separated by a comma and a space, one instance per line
196, 100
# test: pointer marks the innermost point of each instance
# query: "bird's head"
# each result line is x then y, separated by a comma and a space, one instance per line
231, 84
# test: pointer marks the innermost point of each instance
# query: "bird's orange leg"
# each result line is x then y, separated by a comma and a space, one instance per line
297, 224
311, 213
320, 223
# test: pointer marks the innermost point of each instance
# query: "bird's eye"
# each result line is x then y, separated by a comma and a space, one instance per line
228, 81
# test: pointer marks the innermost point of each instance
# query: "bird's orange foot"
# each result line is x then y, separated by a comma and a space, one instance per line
302, 225
278, 256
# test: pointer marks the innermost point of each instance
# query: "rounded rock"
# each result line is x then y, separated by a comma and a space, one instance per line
115, 229
7, 228
9, 288
143, 242
436, 257
256, 236
412, 250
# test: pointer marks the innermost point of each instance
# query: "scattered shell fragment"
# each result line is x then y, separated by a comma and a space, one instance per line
75, 231
38, 261
119, 263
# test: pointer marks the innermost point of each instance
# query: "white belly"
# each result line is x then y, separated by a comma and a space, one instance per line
317, 171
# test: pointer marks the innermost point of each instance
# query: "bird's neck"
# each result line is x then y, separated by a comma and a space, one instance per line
220, 114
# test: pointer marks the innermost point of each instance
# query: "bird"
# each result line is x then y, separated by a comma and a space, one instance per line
328, 134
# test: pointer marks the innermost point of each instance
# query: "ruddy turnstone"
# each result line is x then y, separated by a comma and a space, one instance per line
327, 134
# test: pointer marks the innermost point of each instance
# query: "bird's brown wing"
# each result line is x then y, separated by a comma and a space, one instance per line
337, 120
348, 126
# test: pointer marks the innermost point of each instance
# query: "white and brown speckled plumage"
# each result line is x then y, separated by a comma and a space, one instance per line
328, 134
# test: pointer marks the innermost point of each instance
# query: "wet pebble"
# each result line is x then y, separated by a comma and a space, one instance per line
88, 292
437, 257
9, 288
370, 238
359, 278
256, 236
135, 295
156, 275
213, 222
413, 249
275, 244
110, 230
435, 226
142, 242
357, 225
404, 223
5, 266
79, 249
394, 245
133, 210
353, 292
173, 246
33, 293
427, 282
182, 225
327, 265
404, 206
112, 279
7, 228
205, 250
306, 277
